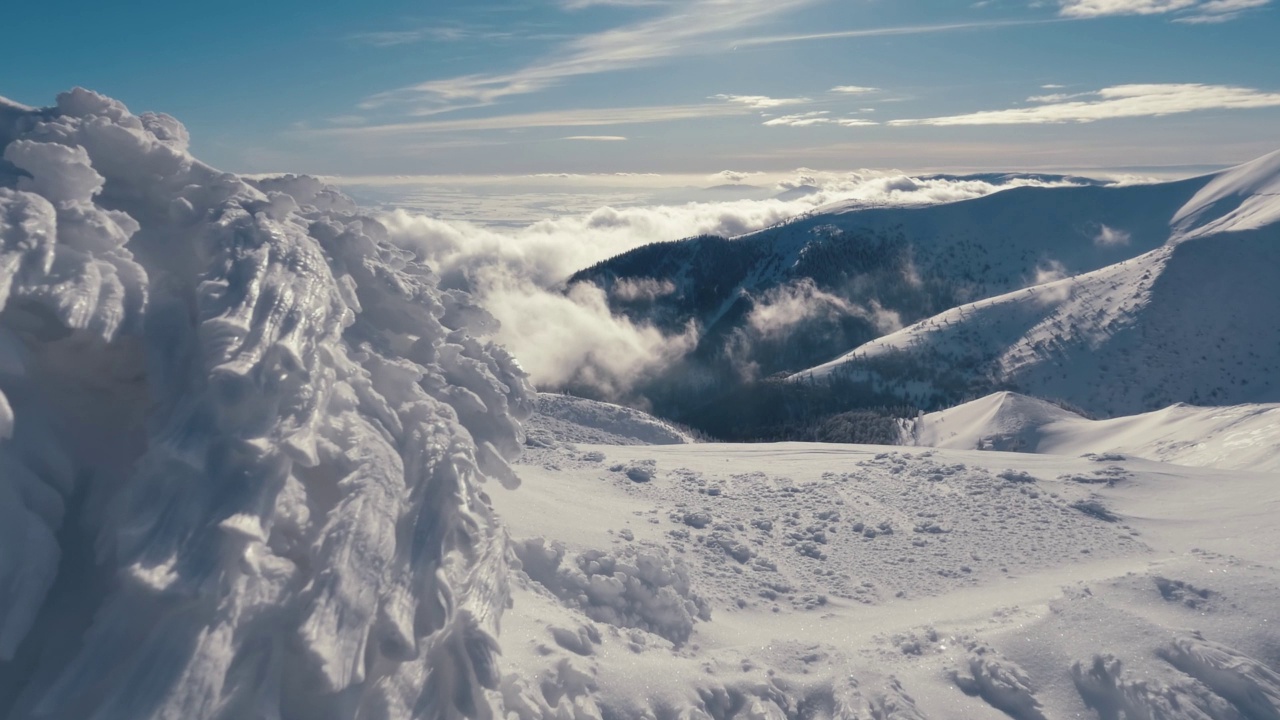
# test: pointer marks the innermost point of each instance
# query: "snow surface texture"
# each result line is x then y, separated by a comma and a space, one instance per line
245, 436
837, 581
1244, 437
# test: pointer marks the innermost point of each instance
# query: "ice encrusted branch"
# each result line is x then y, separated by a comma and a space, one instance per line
244, 436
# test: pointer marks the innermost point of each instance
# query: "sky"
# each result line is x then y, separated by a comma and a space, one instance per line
529, 87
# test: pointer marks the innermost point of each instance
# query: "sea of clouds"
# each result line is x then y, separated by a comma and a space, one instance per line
514, 242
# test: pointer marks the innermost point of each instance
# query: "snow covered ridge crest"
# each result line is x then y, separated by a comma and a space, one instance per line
244, 436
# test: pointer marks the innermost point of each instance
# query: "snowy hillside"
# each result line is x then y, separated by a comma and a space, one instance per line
836, 581
1244, 437
1192, 321
1243, 198
790, 296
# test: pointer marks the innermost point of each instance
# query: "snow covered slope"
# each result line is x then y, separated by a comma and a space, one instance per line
1244, 437
1191, 321
836, 581
1243, 198
242, 437
567, 419
790, 296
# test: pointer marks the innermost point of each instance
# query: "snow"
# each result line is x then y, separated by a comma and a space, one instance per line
247, 436
244, 445
1242, 198
564, 418
1243, 437
1191, 321
844, 580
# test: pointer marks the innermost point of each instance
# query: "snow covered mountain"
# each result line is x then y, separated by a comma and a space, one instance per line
1245, 437
791, 296
1190, 321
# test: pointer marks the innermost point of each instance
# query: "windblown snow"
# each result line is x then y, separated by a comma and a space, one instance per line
244, 437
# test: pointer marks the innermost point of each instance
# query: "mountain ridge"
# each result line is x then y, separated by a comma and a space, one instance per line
843, 281
1244, 437
1190, 321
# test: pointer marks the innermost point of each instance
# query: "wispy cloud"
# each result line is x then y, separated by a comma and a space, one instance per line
1216, 11
684, 29
392, 38
1189, 11
580, 4
1120, 101
817, 117
891, 31
588, 117
760, 102
597, 138
853, 89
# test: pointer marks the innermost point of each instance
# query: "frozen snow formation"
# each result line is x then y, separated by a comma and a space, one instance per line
642, 588
243, 441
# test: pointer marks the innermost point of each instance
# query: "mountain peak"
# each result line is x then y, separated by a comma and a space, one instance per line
1246, 197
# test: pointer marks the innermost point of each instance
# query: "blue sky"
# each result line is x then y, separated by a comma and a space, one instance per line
513, 87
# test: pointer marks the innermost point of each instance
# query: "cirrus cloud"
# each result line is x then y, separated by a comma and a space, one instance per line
817, 117
760, 102
1120, 101
1190, 11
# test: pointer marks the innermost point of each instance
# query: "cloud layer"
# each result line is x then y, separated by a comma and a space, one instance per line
1120, 101
570, 336
1190, 11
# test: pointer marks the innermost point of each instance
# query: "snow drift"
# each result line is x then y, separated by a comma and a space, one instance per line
244, 436
1243, 437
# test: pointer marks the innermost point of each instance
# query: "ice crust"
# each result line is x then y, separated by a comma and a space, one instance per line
244, 441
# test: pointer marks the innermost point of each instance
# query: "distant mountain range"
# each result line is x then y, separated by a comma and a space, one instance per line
1195, 320
1116, 298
